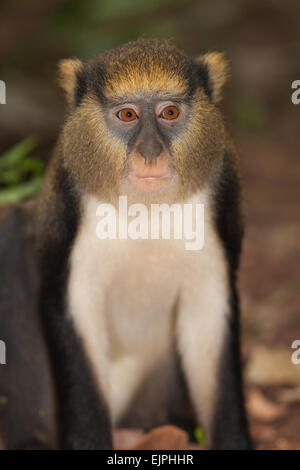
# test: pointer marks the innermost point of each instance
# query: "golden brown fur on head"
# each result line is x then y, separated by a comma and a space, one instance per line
145, 66
96, 156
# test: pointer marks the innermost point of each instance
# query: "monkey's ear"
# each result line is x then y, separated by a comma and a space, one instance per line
218, 71
70, 71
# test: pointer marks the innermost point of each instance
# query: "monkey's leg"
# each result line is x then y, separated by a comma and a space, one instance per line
82, 412
209, 348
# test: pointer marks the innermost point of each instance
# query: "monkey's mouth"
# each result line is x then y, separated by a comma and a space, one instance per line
149, 183
149, 176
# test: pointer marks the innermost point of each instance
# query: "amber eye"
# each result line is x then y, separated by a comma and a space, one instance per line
127, 114
170, 112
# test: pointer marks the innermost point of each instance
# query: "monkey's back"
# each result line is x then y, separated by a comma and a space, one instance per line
26, 395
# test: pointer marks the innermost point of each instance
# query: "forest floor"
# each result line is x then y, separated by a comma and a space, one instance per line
270, 283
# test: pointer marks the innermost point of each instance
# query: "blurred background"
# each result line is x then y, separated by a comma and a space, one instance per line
261, 39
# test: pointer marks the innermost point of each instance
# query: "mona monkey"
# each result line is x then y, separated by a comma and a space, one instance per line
137, 332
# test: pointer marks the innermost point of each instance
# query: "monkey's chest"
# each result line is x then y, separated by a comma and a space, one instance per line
122, 296
122, 299
132, 285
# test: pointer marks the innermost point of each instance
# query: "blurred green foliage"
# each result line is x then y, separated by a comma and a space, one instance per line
21, 174
250, 115
89, 27
200, 436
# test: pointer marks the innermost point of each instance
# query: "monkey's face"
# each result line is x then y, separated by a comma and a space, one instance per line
148, 125
143, 117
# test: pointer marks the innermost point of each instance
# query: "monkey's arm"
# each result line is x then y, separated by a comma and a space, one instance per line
82, 414
230, 426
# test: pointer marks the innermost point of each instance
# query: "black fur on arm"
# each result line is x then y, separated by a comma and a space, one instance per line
82, 413
230, 426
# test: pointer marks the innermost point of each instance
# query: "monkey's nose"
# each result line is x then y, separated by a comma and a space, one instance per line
150, 149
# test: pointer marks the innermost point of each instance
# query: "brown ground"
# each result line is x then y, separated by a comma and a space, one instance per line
270, 275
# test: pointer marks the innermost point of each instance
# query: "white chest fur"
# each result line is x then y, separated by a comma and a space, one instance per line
122, 295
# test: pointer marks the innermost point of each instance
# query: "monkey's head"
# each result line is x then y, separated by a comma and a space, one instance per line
143, 117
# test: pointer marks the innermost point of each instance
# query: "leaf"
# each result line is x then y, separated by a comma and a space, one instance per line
200, 436
20, 174
16, 154
33, 165
20, 192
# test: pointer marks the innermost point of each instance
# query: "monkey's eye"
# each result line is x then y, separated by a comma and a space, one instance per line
170, 112
127, 114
